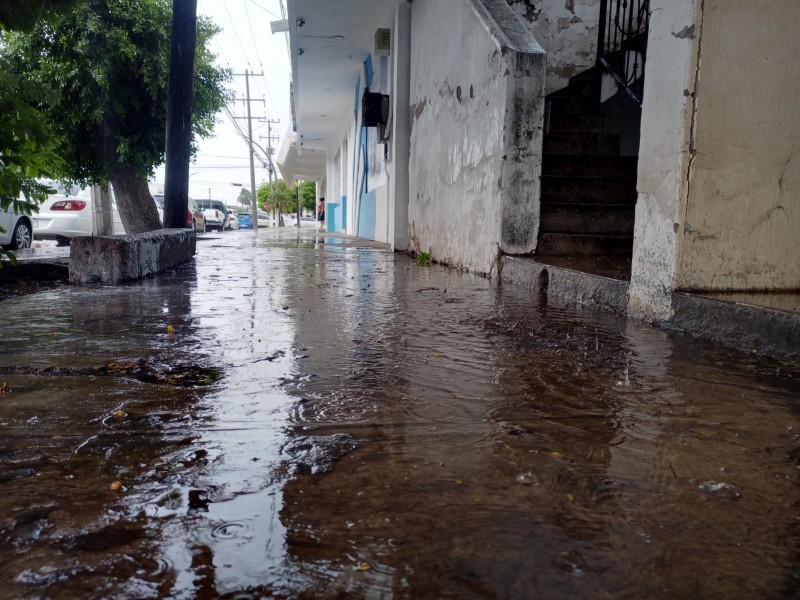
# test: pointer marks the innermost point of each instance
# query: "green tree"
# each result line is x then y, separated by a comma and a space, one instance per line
308, 195
279, 198
27, 142
245, 199
22, 15
108, 62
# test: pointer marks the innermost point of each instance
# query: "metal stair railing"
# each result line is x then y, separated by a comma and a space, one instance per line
622, 43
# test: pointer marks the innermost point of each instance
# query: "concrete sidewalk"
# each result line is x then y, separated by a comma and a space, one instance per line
763, 323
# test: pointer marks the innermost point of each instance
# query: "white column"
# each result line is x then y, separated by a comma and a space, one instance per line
664, 154
401, 130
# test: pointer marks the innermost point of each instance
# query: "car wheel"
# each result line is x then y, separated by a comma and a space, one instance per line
23, 236
204, 226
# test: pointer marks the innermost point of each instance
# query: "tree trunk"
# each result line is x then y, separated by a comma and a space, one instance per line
136, 206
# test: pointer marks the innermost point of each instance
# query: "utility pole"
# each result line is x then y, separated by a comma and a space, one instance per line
270, 138
254, 203
179, 112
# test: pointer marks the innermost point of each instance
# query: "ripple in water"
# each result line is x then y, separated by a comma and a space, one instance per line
229, 531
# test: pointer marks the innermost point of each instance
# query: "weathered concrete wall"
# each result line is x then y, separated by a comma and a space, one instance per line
477, 106
116, 259
669, 90
567, 30
742, 224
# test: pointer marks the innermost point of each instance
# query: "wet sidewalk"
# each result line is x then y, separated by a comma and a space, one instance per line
301, 415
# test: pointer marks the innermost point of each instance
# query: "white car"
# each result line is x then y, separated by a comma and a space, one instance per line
233, 222
17, 230
68, 213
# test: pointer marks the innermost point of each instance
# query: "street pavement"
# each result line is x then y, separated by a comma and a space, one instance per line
297, 414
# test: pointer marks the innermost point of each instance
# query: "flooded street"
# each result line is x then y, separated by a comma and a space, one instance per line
316, 417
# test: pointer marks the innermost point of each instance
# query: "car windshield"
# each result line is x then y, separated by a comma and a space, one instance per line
246, 215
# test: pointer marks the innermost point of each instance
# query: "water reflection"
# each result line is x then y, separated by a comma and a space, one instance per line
384, 430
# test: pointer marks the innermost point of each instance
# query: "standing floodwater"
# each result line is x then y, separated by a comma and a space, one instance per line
310, 416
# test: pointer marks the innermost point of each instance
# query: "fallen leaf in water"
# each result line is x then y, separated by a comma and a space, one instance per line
5, 388
170, 330
119, 413
363, 567
556, 453
570, 497
116, 486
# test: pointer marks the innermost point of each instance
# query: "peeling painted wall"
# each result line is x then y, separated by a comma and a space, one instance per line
567, 30
663, 157
742, 225
477, 79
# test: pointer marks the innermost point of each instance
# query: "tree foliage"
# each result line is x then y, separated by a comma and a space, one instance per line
279, 198
108, 62
244, 199
27, 142
308, 195
22, 15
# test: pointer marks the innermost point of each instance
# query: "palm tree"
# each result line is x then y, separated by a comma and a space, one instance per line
280, 198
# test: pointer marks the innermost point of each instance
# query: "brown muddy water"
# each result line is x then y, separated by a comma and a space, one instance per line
288, 418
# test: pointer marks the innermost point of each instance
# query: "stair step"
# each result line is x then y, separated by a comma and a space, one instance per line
589, 165
598, 144
558, 189
571, 244
615, 219
586, 123
566, 103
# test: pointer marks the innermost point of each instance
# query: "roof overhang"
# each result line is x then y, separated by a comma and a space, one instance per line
329, 42
297, 163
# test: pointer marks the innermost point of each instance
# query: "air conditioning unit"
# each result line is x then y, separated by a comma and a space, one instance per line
383, 41
374, 109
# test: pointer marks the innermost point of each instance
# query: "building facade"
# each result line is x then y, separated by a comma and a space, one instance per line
656, 136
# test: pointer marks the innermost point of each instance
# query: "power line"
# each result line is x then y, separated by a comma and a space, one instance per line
238, 38
266, 10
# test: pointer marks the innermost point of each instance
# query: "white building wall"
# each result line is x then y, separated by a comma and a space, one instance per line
663, 156
567, 30
477, 81
741, 231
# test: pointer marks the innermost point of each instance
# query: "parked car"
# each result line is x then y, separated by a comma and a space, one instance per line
17, 230
264, 220
245, 220
215, 213
232, 222
195, 219
68, 213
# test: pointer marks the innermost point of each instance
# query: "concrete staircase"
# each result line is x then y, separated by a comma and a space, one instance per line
588, 189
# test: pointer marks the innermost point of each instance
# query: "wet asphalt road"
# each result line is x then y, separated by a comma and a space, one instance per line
311, 416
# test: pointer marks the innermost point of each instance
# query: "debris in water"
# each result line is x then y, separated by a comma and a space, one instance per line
719, 489
5, 388
116, 486
170, 330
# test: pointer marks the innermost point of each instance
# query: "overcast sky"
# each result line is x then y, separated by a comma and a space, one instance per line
245, 43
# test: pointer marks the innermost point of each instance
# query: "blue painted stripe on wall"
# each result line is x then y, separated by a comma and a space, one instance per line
366, 216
